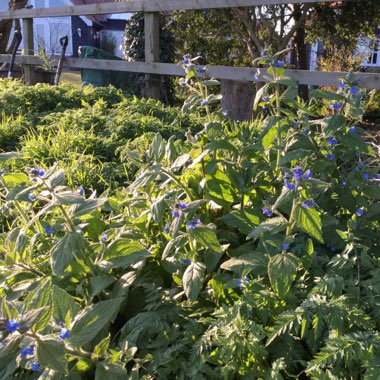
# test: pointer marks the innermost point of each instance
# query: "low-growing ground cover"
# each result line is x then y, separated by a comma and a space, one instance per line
247, 251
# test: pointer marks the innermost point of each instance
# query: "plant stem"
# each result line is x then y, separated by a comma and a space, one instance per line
291, 218
279, 139
178, 183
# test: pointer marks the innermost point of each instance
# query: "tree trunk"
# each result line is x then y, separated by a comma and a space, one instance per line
238, 99
301, 53
6, 25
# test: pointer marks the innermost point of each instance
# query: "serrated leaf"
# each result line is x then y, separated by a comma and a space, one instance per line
205, 236
92, 320
309, 220
64, 250
192, 280
51, 353
282, 270
124, 252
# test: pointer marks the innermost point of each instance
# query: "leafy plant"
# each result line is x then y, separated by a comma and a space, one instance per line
248, 250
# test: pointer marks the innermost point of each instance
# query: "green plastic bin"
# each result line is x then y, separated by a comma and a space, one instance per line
100, 78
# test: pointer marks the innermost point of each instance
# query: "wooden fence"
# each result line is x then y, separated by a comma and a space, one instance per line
152, 64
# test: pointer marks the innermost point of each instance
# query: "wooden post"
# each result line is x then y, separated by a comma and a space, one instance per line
152, 52
28, 38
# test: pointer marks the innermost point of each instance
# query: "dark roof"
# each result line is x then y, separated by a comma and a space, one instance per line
99, 19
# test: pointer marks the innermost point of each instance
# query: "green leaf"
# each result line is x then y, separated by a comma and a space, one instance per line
9, 156
99, 283
9, 350
88, 206
244, 220
63, 304
51, 353
282, 270
220, 189
205, 236
39, 298
69, 198
30, 318
180, 161
101, 348
323, 94
270, 226
157, 148
64, 250
192, 280
110, 371
287, 81
124, 252
269, 137
333, 123
309, 220
254, 260
92, 320
57, 178
15, 178
211, 82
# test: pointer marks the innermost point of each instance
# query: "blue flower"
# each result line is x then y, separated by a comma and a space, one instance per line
360, 212
64, 334
279, 64
204, 102
166, 228
182, 205
341, 86
31, 197
240, 281
308, 174
48, 230
285, 246
27, 351
38, 171
343, 184
308, 204
265, 98
201, 70
294, 124
332, 140
352, 130
35, 367
354, 90
80, 191
305, 117
336, 105
297, 172
186, 59
182, 82
103, 238
267, 212
12, 325
289, 185
185, 261
193, 223
366, 177
175, 213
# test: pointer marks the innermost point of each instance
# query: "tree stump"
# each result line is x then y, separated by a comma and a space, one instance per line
238, 99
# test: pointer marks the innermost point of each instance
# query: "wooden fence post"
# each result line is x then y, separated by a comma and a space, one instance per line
28, 38
152, 52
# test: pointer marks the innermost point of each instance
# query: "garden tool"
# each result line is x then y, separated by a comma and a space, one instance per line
18, 36
64, 42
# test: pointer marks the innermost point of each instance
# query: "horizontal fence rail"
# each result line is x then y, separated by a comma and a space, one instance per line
246, 74
144, 6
